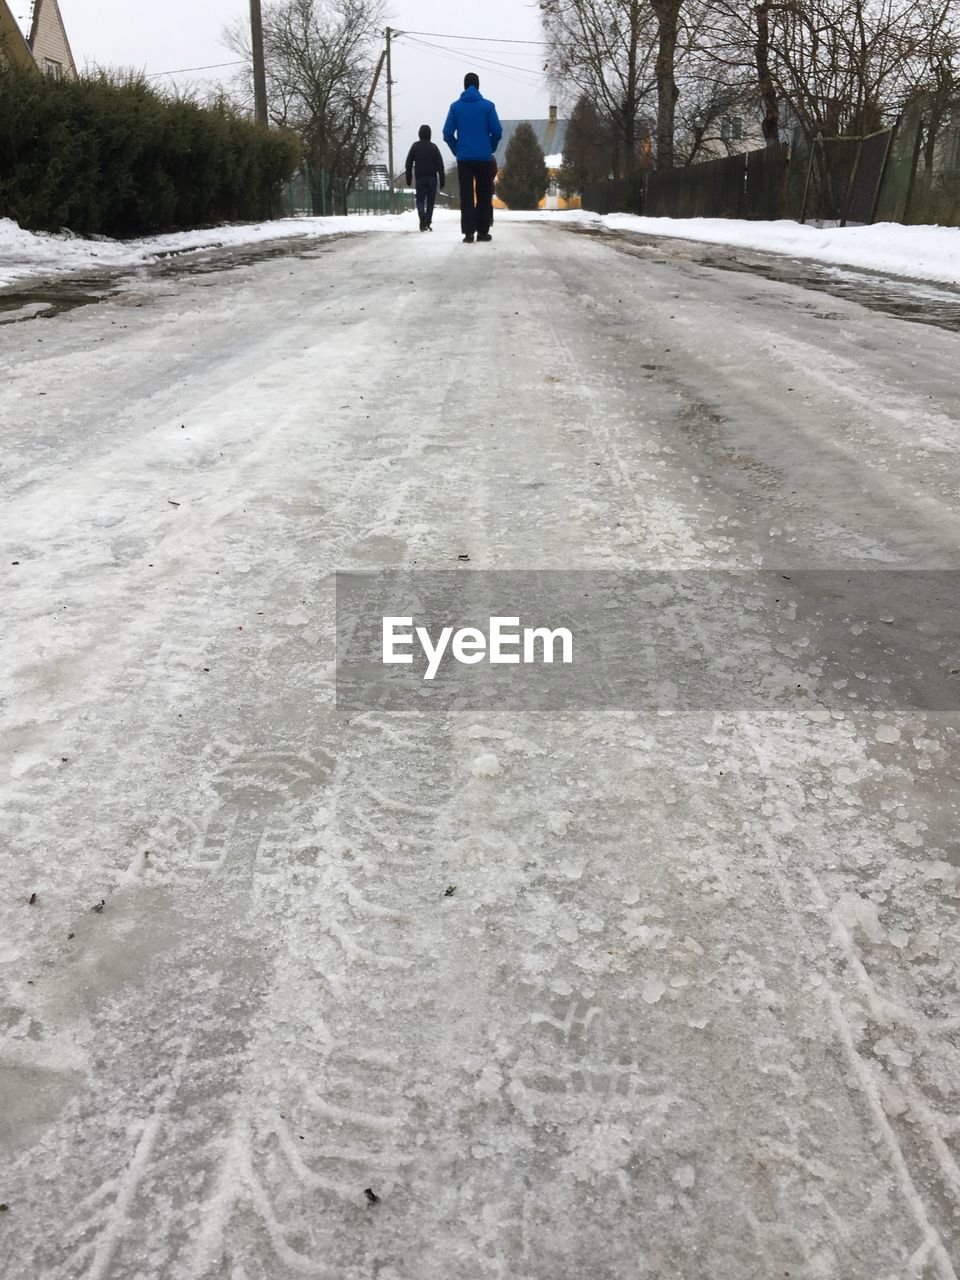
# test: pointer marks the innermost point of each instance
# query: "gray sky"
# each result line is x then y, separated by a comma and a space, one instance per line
186, 33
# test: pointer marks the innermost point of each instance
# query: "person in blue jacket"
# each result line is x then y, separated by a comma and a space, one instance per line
473, 132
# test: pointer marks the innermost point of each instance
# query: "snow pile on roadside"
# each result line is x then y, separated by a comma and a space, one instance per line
27, 253
925, 253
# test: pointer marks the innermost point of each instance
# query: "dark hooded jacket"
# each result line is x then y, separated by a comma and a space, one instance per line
424, 158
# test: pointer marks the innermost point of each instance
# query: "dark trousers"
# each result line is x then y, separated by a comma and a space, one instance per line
426, 197
476, 208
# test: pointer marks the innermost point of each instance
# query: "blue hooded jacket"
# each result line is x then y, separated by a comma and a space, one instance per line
472, 130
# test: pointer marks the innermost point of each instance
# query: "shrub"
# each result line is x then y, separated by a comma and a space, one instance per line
118, 159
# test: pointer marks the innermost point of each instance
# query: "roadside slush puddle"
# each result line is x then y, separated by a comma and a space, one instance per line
53, 297
922, 301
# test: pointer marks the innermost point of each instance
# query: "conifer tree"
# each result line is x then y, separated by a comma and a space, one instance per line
523, 182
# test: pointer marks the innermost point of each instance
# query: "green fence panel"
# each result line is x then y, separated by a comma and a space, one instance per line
613, 195
749, 185
797, 171
897, 181
864, 188
832, 165
766, 174
310, 193
298, 197
935, 196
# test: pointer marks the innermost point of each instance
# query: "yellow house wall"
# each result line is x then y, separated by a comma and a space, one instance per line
562, 202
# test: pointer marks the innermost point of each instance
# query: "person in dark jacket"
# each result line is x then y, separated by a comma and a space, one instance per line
472, 132
425, 161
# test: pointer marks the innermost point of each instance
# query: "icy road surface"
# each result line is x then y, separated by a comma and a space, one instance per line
691, 1010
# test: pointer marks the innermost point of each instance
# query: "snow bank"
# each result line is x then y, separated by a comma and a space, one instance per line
26, 253
924, 253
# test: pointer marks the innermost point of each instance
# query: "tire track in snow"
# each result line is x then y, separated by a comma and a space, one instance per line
345, 1112
932, 1247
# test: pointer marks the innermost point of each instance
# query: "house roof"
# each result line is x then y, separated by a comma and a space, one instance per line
13, 44
48, 35
550, 134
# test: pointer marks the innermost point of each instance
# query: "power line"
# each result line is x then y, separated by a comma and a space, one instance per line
211, 66
480, 58
530, 76
216, 66
509, 66
452, 56
445, 35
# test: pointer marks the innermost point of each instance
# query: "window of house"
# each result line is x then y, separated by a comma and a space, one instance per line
53, 69
731, 128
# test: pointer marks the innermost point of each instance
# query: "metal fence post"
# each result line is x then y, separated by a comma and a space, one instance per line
913, 172
806, 185
883, 168
845, 207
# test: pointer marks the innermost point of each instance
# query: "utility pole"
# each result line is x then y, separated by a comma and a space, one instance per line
390, 118
373, 87
259, 70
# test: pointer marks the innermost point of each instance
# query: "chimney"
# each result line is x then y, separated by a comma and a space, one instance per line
553, 115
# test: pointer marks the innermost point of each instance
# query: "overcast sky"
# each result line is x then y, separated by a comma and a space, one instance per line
179, 34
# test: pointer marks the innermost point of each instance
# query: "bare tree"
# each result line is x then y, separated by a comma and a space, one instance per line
685, 68
667, 13
836, 66
707, 109
605, 50
937, 86
736, 44
588, 147
766, 83
319, 57
636, 61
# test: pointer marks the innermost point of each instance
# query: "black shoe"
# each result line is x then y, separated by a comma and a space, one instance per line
485, 235
468, 239
423, 225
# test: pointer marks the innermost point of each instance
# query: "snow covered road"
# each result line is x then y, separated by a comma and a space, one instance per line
609, 994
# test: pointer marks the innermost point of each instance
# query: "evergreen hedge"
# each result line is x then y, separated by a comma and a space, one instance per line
102, 158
